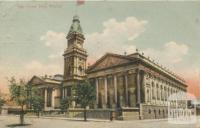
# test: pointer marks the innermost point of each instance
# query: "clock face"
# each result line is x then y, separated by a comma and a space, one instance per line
79, 44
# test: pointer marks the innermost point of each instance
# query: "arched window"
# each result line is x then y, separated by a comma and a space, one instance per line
149, 111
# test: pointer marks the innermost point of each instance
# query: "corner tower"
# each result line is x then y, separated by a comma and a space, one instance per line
75, 57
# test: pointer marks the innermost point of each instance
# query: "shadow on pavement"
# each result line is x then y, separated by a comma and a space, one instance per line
17, 125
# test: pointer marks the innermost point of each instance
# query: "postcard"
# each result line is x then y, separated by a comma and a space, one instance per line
99, 64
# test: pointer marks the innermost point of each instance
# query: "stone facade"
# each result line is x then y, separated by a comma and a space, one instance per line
50, 90
74, 57
134, 81
132, 85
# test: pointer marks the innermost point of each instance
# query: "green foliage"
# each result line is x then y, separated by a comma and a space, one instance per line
64, 104
18, 91
2, 101
84, 93
37, 102
24, 94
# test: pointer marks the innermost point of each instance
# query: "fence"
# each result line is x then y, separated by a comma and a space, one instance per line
105, 114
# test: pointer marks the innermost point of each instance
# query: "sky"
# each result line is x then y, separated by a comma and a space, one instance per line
32, 35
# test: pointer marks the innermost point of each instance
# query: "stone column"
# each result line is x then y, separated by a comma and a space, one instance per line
115, 88
160, 93
163, 94
168, 92
106, 88
155, 92
144, 88
145, 94
66, 92
151, 94
138, 87
126, 89
45, 98
52, 98
63, 93
97, 91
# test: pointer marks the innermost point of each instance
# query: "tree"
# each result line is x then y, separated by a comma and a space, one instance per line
2, 101
85, 95
64, 104
18, 91
35, 100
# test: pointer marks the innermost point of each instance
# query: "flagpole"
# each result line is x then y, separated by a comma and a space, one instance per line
78, 3
76, 9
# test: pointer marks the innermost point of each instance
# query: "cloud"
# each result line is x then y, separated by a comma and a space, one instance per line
111, 39
56, 55
53, 39
27, 70
172, 56
171, 53
115, 37
37, 68
56, 42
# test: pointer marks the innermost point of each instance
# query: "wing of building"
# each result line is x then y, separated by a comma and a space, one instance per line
135, 84
50, 89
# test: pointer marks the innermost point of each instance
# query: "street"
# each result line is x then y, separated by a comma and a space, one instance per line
32, 122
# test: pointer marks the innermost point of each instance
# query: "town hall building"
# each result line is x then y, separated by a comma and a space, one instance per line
132, 84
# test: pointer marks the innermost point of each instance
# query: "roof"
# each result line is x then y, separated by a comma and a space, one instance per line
75, 27
48, 80
138, 57
181, 96
124, 58
56, 79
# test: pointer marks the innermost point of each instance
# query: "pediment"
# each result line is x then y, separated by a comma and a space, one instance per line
36, 80
109, 60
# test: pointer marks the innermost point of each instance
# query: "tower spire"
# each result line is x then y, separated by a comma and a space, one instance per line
75, 55
75, 27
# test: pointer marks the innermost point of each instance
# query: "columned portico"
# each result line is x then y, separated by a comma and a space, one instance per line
108, 93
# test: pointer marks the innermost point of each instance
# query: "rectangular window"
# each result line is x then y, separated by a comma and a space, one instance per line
69, 91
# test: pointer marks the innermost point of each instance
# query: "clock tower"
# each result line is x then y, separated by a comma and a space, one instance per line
75, 57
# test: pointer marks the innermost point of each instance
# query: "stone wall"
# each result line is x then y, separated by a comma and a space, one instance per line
91, 113
153, 111
129, 114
